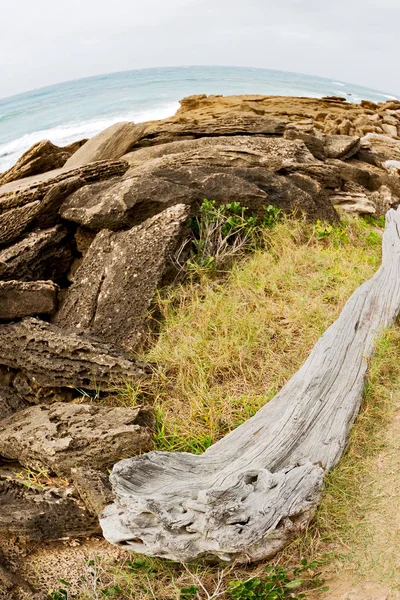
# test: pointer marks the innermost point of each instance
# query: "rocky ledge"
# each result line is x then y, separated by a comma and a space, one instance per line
88, 233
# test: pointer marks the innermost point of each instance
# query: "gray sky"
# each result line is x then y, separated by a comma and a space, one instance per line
48, 41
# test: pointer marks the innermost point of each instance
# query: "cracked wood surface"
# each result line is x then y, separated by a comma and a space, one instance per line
249, 493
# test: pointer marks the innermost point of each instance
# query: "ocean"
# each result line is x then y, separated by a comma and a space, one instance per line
78, 109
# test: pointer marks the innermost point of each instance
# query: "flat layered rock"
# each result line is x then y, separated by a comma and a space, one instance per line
39, 515
10, 402
31, 189
109, 144
38, 255
52, 357
116, 282
63, 436
209, 125
27, 299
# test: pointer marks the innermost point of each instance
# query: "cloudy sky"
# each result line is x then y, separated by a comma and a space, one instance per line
48, 41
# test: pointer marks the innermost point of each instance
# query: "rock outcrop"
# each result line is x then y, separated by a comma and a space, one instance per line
116, 282
60, 437
88, 233
40, 158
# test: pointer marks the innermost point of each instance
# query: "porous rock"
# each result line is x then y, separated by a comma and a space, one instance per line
109, 144
56, 358
42, 254
116, 282
93, 487
62, 436
10, 402
24, 299
35, 514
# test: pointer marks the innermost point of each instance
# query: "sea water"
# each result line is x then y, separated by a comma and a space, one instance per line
79, 109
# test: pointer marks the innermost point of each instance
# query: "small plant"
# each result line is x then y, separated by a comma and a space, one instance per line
374, 221
188, 593
271, 216
221, 233
61, 593
278, 584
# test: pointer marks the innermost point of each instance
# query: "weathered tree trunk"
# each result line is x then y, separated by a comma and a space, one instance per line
249, 493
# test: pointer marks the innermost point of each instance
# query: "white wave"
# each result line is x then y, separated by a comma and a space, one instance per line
67, 133
338, 83
388, 96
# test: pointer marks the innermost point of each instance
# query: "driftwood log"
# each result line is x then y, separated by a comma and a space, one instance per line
246, 496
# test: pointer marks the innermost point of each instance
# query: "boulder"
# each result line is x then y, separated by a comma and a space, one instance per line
14, 222
117, 280
41, 514
53, 357
41, 157
62, 436
10, 402
39, 255
109, 144
341, 146
25, 299
384, 199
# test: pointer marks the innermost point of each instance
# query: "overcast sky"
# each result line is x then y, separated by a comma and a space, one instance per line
48, 41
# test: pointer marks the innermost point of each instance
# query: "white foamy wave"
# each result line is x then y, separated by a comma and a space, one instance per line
65, 134
387, 96
338, 83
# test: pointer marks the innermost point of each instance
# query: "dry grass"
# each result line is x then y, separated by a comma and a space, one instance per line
226, 346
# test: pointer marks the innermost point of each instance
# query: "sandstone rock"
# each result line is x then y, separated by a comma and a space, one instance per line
118, 278
14, 222
41, 515
41, 157
357, 172
62, 436
353, 200
390, 129
93, 487
180, 128
383, 147
109, 144
39, 255
28, 190
56, 358
24, 299
220, 168
10, 402
341, 146
102, 205
313, 143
